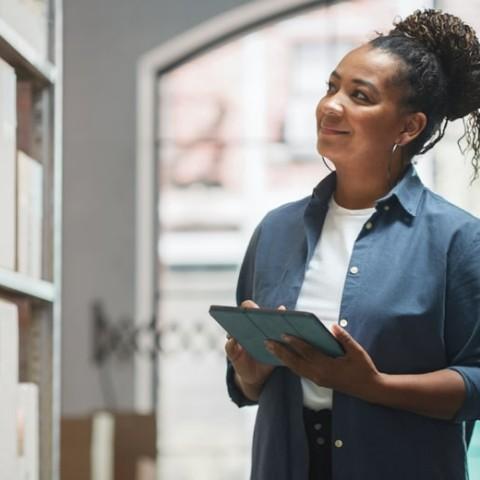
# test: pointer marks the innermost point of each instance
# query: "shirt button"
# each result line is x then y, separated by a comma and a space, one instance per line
317, 426
320, 441
354, 270
338, 443
369, 225
386, 208
343, 322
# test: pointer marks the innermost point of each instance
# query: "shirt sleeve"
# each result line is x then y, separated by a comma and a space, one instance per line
462, 326
247, 270
244, 292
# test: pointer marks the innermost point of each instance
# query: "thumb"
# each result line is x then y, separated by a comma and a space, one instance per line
345, 339
249, 304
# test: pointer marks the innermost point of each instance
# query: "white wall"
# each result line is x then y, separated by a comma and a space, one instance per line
102, 42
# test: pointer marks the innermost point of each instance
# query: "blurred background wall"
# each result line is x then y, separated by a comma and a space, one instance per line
103, 41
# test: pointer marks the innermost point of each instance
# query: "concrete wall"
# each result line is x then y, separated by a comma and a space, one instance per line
102, 42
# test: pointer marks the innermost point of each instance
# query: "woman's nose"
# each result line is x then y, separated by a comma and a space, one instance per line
332, 105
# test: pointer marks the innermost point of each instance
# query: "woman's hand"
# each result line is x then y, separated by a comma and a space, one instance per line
250, 374
438, 394
354, 373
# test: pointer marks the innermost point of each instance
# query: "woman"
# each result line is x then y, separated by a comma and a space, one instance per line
391, 267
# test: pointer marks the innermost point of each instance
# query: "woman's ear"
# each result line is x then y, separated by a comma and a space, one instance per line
414, 125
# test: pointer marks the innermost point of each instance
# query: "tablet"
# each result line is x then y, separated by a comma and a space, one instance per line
252, 326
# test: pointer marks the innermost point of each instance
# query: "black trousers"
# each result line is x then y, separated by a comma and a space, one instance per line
318, 426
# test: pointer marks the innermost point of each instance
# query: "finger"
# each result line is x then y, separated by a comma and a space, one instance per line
249, 304
346, 340
289, 358
304, 349
230, 347
282, 307
233, 349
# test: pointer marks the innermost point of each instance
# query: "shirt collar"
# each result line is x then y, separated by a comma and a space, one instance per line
324, 190
408, 191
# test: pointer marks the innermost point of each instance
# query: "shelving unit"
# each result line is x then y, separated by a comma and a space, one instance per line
16, 283
40, 330
20, 54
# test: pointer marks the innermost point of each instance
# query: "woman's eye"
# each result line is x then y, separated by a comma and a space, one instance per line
330, 87
360, 96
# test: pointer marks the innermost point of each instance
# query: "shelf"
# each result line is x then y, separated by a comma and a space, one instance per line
23, 57
21, 284
39, 301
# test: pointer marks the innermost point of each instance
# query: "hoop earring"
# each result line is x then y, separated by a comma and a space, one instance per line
326, 164
389, 164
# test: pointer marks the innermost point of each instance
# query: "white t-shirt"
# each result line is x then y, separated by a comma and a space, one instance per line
322, 288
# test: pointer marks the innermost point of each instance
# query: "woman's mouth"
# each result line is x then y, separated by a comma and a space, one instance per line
332, 131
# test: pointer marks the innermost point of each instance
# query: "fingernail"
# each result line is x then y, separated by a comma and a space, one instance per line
285, 337
268, 346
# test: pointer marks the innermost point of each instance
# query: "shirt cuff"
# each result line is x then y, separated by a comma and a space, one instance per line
470, 410
234, 392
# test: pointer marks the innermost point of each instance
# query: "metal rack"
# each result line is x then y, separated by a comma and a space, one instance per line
41, 336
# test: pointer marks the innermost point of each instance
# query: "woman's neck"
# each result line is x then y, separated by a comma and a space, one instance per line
356, 191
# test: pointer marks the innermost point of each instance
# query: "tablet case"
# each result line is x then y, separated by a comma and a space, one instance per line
252, 326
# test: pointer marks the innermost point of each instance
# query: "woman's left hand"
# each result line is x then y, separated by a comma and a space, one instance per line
353, 373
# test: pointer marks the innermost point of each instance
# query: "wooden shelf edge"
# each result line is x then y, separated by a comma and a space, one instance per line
22, 56
20, 284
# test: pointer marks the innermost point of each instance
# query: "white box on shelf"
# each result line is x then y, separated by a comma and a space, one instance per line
29, 18
27, 430
8, 125
29, 216
8, 389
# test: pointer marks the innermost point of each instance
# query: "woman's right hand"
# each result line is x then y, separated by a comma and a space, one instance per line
248, 370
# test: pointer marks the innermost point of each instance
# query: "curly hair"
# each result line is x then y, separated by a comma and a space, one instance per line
441, 71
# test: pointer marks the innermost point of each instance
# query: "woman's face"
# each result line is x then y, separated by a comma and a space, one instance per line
360, 118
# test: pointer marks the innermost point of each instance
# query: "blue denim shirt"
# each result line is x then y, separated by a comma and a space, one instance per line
413, 303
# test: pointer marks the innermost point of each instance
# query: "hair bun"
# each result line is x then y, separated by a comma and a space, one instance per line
456, 46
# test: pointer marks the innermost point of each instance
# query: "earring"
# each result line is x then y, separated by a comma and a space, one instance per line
389, 164
326, 164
